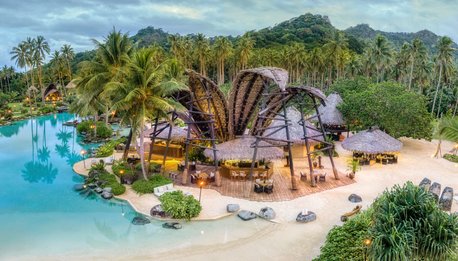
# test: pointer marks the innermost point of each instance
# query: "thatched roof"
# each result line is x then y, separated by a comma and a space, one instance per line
240, 149
178, 133
246, 91
330, 115
296, 131
200, 86
372, 141
51, 89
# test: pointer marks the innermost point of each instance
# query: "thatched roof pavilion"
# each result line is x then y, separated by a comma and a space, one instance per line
372, 141
296, 131
52, 88
329, 114
178, 133
240, 149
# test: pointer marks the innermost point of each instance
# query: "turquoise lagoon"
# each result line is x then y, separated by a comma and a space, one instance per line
41, 215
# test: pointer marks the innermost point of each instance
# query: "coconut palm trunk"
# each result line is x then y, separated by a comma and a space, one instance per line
127, 147
437, 89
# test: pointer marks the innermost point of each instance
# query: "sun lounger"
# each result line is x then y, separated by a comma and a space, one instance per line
355, 211
159, 191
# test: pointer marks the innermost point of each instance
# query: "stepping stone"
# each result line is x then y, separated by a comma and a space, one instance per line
107, 195
246, 215
231, 208
425, 183
79, 187
267, 213
139, 221
355, 198
435, 189
157, 211
309, 216
172, 225
98, 190
91, 185
446, 199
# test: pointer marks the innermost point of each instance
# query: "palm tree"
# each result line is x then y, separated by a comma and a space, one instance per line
41, 49
444, 58
68, 55
19, 54
336, 49
58, 67
30, 45
417, 51
147, 94
222, 49
202, 49
244, 50
380, 54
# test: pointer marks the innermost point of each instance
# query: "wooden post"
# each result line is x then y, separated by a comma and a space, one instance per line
307, 145
288, 138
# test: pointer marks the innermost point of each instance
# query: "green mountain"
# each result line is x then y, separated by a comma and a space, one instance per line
365, 33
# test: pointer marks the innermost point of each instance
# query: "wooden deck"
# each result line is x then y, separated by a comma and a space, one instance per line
282, 184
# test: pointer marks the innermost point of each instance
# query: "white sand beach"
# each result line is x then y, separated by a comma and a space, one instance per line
288, 240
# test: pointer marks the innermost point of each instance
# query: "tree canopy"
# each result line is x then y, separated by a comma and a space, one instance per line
387, 105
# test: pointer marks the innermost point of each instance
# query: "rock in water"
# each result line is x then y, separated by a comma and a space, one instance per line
309, 216
425, 183
107, 189
435, 189
107, 195
91, 185
355, 198
446, 200
267, 213
140, 221
98, 190
246, 215
172, 225
79, 187
231, 208
158, 211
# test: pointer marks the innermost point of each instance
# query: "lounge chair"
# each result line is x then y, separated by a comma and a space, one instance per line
234, 174
269, 189
242, 174
303, 176
159, 191
258, 188
355, 211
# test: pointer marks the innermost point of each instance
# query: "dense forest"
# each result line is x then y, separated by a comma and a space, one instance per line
309, 47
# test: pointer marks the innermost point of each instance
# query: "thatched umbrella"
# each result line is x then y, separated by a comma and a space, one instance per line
178, 133
329, 114
372, 141
240, 149
296, 131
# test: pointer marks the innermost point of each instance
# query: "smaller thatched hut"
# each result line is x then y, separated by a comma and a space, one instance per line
373, 144
296, 132
331, 118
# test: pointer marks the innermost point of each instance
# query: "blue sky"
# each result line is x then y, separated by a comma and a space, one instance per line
77, 21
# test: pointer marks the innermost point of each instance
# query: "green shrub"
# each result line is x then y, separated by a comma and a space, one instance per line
24, 110
107, 149
143, 186
179, 205
451, 157
46, 109
346, 242
116, 188
103, 130
159, 180
153, 167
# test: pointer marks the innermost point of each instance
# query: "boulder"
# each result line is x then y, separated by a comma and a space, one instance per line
246, 215
98, 190
231, 208
91, 185
107, 189
306, 217
354, 198
79, 187
157, 211
139, 221
435, 189
107, 195
425, 183
267, 213
172, 225
446, 199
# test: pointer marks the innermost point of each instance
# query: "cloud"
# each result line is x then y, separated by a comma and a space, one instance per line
77, 21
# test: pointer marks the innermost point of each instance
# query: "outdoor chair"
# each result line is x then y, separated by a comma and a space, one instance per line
258, 188
263, 175
303, 176
193, 178
255, 174
212, 177
258, 181
242, 174
322, 177
234, 174
269, 189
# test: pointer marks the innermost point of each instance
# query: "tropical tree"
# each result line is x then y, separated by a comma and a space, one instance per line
40, 50
202, 50
147, 94
447, 130
417, 52
444, 58
68, 55
222, 49
380, 53
336, 49
19, 54
243, 51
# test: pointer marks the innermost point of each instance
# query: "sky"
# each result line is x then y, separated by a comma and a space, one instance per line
76, 22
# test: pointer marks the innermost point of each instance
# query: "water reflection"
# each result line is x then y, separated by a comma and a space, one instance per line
12, 129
